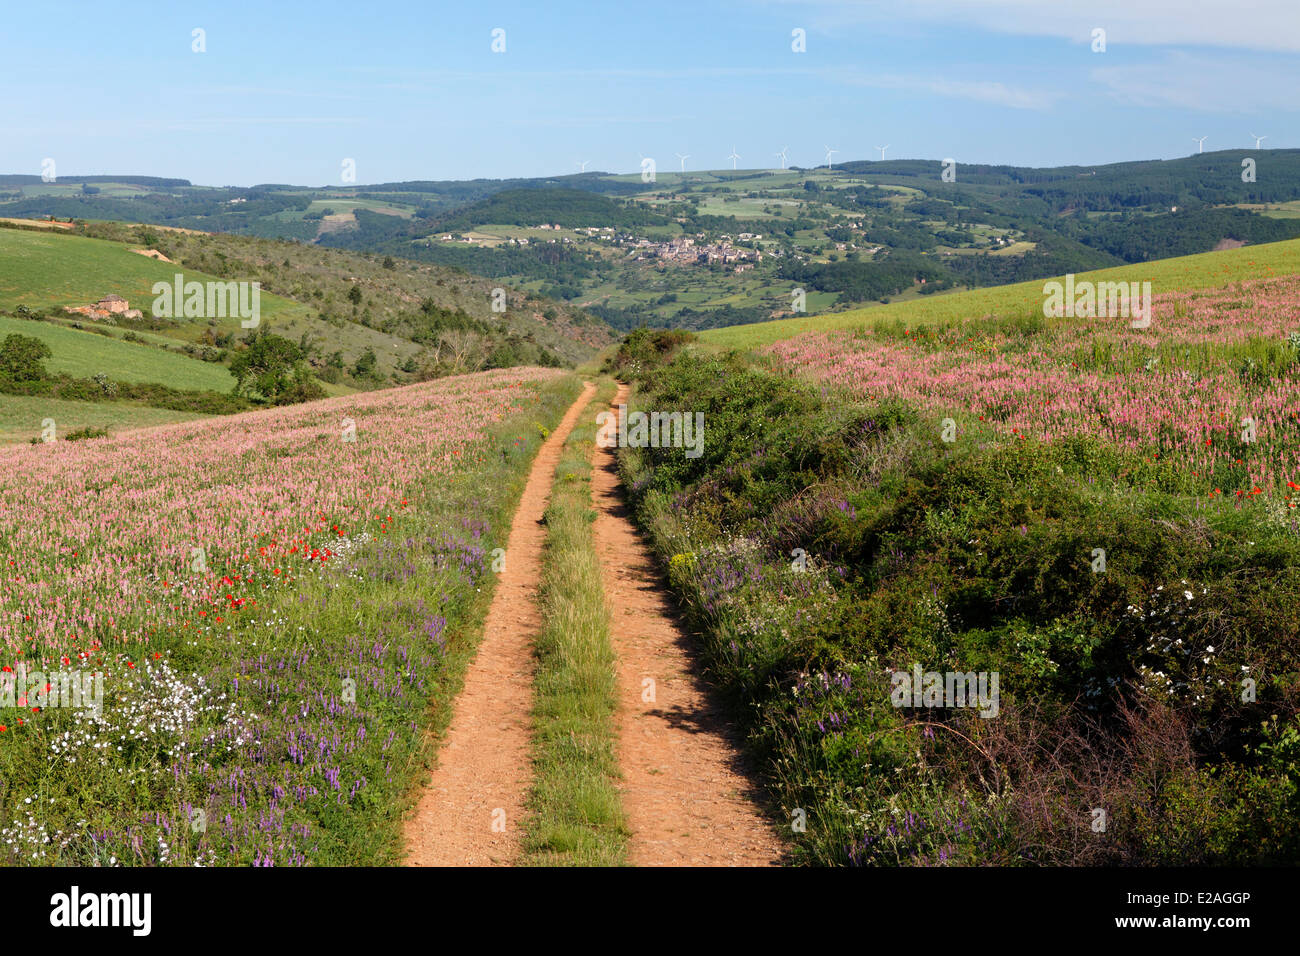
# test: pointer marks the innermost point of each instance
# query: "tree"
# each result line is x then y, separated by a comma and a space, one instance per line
466, 350
267, 363
366, 364
354, 296
21, 358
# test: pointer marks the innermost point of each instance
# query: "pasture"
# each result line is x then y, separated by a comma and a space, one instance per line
43, 271
84, 354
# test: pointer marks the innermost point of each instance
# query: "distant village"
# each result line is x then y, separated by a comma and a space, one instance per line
684, 250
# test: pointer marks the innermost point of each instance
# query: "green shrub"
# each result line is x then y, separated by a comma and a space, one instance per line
88, 432
817, 543
21, 358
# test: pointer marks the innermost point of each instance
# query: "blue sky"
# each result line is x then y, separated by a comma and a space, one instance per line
286, 91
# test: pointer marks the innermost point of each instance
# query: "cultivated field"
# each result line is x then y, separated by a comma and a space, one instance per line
21, 416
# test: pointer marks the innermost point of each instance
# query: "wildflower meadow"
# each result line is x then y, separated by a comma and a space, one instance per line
270, 601
1091, 524
1211, 385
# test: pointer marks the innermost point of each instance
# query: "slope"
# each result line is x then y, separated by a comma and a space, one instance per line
1025, 298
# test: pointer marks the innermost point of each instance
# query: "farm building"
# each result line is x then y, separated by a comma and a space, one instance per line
113, 303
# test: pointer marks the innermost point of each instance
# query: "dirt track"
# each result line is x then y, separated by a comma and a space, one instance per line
471, 811
686, 794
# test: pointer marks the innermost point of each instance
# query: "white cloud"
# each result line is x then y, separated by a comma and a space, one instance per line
985, 91
1247, 25
1213, 85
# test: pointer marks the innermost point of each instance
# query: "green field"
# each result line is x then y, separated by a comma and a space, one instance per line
743, 208
21, 416
85, 354
342, 205
1281, 210
72, 189
1209, 269
40, 270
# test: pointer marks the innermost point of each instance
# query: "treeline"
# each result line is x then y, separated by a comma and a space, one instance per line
1143, 238
558, 264
1213, 178
208, 211
152, 181
571, 208
862, 281
626, 318
1053, 255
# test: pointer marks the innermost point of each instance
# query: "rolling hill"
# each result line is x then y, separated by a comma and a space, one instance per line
359, 321
712, 248
1206, 270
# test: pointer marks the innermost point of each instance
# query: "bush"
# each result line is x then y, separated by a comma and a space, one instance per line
1119, 689
268, 364
644, 348
304, 389
88, 432
21, 358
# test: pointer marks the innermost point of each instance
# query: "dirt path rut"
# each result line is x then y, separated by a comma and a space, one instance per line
471, 811
687, 798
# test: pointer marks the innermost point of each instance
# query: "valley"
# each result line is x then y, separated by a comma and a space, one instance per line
718, 248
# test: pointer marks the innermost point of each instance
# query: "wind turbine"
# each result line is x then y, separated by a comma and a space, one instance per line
583, 163
1200, 143
1258, 139
829, 153
683, 157
733, 157
882, 151
782, 155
